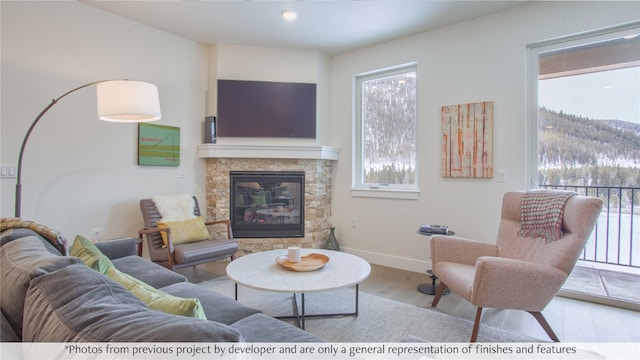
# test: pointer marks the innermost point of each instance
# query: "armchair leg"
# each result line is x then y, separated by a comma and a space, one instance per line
476, 325
439, 292
545, 325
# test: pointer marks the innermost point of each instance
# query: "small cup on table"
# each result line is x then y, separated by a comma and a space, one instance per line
294, 254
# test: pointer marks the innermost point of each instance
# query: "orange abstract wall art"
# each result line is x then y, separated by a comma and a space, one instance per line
467, 140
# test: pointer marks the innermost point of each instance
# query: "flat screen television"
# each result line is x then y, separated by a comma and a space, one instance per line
266, 109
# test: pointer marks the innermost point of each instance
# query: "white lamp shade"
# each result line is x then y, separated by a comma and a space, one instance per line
128, 101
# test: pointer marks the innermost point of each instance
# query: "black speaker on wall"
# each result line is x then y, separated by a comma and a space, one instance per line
210, 130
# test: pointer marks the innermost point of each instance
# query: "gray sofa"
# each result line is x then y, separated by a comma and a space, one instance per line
48, 297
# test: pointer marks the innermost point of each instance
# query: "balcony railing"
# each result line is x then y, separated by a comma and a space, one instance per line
616, 237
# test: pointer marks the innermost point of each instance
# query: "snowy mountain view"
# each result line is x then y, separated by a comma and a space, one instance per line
574, 150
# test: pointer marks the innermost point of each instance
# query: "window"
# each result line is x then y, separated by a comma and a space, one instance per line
584, 132
385, 137
585, 110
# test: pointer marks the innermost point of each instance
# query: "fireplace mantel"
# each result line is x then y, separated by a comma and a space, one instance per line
316, 152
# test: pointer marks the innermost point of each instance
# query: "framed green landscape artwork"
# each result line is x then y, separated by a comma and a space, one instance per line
158, 145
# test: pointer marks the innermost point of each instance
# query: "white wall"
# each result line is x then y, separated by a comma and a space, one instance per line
479, 60
81, 173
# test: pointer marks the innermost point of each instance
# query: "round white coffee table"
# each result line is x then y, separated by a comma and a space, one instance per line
260, 271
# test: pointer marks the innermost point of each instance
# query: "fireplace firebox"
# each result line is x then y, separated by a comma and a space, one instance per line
267, 204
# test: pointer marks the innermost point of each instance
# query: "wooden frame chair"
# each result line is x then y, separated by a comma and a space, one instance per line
175, 256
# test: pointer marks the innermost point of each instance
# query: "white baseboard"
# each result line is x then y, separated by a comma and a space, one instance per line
396, 262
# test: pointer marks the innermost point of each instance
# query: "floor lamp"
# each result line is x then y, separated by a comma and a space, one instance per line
118, 101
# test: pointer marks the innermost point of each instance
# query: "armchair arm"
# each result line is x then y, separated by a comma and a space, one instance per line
159, 250
225, 222
459, 250
514, 284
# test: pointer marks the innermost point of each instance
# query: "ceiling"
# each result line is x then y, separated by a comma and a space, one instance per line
332, 26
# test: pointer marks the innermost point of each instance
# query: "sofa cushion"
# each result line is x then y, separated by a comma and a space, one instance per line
157, 299
90, 255
217, 307
117, 248
20, 261
7, 334
264, 328
78, 304
18, 233
144, 270
185, 231
206, 249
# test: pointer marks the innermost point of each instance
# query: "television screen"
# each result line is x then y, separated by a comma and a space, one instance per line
266, 109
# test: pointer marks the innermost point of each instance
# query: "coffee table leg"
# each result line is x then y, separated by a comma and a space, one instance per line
357, 300
296, 312
302, 318
236, 292
299, 313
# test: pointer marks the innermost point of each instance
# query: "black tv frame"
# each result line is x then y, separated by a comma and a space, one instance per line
266, 109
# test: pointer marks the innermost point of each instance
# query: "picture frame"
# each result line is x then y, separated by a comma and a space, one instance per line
467, 140
158, 145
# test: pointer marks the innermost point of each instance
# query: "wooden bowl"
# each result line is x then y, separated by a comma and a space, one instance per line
309, 262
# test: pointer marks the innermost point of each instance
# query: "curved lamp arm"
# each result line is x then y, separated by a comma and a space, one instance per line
151, 95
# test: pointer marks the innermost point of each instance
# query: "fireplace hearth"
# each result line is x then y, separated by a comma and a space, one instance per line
267, 204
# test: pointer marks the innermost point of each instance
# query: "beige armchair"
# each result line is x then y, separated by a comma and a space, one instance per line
520, 273
175, 256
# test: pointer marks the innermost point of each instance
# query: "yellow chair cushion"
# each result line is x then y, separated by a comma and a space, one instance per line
185, 231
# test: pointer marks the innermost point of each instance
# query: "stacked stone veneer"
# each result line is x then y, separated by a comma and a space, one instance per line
317, 198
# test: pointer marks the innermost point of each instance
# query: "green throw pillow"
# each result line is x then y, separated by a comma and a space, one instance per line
154, 298
157, 299
90, 255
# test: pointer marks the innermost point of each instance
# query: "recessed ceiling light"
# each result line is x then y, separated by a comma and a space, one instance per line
289, 15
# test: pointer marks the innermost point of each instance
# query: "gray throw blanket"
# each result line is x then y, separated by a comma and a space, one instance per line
54, 237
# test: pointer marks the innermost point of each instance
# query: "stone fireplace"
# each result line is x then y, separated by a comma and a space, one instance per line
315, 162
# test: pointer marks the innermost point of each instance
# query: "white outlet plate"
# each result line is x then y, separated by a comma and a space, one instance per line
96, 234
502, 176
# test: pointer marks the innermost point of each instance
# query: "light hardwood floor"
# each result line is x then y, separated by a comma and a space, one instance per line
572, 320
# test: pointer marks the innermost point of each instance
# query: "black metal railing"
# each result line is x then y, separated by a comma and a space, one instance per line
615, 239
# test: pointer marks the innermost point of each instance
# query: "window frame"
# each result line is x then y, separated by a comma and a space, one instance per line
359, 187
534, 50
